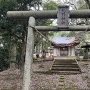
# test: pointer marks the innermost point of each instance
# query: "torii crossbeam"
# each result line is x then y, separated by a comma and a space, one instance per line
45, 14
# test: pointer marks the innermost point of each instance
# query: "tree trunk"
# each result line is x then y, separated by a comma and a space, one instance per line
13, 56
23, 53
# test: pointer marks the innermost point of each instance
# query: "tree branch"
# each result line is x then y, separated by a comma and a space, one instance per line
88, 3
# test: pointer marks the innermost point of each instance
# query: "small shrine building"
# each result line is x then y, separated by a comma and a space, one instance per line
64, 46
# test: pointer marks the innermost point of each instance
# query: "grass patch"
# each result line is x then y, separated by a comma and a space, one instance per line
61, 80
11, 77
13, 88
67, 89
46, 89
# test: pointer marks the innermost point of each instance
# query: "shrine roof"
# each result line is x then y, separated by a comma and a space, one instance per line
64, 41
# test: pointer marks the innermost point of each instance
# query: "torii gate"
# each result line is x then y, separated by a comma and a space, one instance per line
32, 15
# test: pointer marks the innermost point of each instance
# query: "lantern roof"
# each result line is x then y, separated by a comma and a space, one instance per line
86, 45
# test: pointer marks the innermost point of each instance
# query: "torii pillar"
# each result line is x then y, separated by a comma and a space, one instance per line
29, 53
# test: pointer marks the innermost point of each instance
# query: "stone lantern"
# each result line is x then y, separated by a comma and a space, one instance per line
86, 50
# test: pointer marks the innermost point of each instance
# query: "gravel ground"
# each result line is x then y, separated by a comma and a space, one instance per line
11, 79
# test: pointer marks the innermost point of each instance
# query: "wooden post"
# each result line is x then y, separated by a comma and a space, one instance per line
29, 53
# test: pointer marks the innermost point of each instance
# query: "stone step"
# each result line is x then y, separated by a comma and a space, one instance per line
65, 69
65, 65
65, 72
69, 61
64, 61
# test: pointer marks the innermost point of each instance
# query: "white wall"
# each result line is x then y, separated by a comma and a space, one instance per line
56, 52
71, 51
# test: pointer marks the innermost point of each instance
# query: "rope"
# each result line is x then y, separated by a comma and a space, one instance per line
47, 38
42, 35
